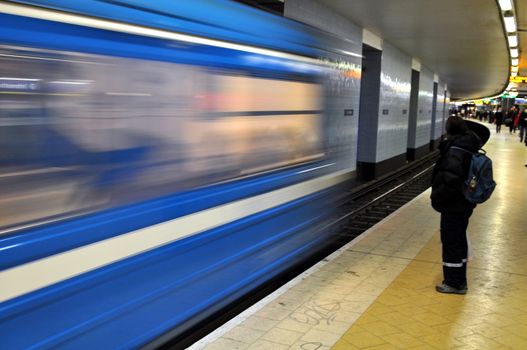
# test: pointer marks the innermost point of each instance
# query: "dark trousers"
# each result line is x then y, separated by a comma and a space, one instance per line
455, 248
522, 133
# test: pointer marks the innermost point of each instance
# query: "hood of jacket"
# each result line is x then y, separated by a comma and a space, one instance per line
468, 141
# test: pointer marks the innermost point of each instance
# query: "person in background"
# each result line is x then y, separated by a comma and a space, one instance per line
516, 118
449, 173
498, 119
522, 123
509, 119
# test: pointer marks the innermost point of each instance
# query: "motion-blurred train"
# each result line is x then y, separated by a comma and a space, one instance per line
159, 160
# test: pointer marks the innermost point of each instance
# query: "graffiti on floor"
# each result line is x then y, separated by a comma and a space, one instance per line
316, 312
311, 346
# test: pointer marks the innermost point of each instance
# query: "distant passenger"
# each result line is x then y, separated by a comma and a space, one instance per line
516, 119
450, 171
509, 120
522, 123
490, 116
498, 119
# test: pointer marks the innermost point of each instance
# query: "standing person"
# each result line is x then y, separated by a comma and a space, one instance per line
522, 123
516, 119
498, 119
450, 171
509, 119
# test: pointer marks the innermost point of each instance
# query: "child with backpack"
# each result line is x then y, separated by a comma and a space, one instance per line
455, 196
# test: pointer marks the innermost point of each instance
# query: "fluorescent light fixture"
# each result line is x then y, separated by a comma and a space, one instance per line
513, 74
514, 69
506, 5
510, 22
513, 40
22, 79
514, 53
71, 82
514, 62
127, 94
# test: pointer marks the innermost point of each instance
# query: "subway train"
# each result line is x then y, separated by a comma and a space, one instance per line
160, 160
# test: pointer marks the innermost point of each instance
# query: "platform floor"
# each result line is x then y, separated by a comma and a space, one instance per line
378, 291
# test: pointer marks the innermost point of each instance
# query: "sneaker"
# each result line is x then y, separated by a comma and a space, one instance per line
445, 288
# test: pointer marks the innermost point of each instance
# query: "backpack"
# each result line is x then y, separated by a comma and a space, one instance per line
479, 184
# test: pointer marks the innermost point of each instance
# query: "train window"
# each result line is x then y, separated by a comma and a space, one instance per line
82, 132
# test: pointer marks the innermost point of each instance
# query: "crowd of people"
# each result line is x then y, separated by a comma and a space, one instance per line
515, 118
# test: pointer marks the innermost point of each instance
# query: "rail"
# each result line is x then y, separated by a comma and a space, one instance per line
366, 205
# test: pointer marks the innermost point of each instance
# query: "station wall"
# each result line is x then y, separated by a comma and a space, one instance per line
345, 93
382, 140
440, 111
394, 103
424, 109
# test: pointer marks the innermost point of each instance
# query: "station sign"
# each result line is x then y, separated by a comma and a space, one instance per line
19, 84
518, 79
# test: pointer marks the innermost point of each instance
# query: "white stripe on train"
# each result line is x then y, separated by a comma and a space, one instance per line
44, 272
85, 21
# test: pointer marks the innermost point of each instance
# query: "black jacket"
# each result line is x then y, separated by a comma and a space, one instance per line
498, 117
523, 119
450, 171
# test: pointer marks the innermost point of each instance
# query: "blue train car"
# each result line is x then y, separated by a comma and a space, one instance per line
157, 163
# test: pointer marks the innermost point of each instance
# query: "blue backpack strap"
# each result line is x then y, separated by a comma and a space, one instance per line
462, 149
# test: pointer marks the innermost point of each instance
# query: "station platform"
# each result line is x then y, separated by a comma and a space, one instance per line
377, 292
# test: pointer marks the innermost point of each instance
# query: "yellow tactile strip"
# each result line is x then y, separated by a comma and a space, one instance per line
383, 285
409, 314
315, 313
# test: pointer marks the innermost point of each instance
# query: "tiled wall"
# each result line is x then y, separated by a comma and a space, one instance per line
440, 111
343, 91
394, 103
447, 107
424, 108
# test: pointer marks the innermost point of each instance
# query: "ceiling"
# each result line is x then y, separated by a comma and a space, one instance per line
521, 18
461, 41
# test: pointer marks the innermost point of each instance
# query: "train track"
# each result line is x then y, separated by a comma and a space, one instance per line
375, 200
366, 205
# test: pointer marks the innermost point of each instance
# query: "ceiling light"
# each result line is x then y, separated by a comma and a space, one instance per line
514, 69
514, 62
510, 22
506, 5
513, 40
513, 74
514, 53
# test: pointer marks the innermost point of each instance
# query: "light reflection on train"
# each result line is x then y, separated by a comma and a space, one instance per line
82, 131
157, 164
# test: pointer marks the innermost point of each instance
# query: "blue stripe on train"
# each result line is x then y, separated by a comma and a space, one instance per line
131, 302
